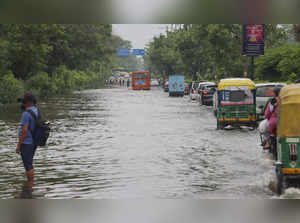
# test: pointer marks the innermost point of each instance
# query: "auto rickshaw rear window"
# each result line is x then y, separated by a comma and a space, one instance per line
237, 96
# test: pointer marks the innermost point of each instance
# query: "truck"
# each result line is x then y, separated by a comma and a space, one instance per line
176, 85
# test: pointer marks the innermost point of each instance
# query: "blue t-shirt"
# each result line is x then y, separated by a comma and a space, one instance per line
28, 120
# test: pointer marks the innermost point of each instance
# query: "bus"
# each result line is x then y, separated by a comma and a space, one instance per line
141, 80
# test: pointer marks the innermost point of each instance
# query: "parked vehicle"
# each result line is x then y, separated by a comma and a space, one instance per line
176, 85
193, 90
186, 88
288, 138
141, 80
264, 92
234, 103
154, 83
206, 93
166, 86
200, 86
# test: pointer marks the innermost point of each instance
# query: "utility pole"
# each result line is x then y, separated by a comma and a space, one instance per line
252, 68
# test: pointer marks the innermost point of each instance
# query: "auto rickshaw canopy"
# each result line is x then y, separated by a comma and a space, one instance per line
236, 82
289, 107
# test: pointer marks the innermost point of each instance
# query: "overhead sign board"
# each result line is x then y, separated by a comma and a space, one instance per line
253, 39
123, 52
138, 52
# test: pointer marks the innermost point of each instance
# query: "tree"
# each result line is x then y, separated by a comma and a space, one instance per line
297, 32
205, 51
129, 63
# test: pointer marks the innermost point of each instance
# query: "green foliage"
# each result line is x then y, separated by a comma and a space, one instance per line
64, 79
279, 64
297, 32
292, 77
4, 55
205, 51
129, 63
10, 88
55, 58
41, 84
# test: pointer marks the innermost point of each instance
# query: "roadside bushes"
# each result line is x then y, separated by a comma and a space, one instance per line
279, 64
41, 84
64, 79
68, 80
10, 88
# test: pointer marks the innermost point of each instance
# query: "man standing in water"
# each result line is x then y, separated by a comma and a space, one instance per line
26, 145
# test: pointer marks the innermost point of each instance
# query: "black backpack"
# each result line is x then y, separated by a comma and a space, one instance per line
41, 131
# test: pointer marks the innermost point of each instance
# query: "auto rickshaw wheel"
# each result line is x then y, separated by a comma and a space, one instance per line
253, 127
273, 148
219, 125
279, 184
282, 184
202, 102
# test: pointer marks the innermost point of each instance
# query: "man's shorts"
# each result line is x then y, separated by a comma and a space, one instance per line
27, 154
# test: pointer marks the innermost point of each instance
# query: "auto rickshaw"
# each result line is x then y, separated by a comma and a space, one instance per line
288, 138
235, 103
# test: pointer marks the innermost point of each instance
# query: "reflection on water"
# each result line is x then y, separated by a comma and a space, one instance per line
118, 143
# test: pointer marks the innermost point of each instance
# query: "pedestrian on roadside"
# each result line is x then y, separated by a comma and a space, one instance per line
26, 146
128, 82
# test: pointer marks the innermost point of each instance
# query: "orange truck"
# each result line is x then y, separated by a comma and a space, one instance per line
141, 80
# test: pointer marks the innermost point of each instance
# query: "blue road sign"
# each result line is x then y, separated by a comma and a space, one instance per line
123, 52
138, 52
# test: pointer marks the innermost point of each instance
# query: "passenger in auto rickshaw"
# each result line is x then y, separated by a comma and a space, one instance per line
271, 116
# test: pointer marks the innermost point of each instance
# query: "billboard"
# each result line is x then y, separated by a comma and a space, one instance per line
253, 39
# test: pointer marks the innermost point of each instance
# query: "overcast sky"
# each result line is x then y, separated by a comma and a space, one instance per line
138, 34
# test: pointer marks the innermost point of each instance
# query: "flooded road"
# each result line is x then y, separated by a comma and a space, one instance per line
119, 143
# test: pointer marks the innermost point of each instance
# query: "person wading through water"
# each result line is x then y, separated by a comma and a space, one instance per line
26, 145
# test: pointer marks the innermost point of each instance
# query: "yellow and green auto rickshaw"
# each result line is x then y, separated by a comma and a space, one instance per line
235, 103
288, 138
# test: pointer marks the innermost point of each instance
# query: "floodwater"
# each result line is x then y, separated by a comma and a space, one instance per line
119, 143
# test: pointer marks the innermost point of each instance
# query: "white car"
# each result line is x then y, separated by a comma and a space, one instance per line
263, 93
200, 85
193, 90
154, 83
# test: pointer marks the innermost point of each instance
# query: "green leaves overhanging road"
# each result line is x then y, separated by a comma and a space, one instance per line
213, 51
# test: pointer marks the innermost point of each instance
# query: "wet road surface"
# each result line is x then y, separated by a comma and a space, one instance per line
119, 143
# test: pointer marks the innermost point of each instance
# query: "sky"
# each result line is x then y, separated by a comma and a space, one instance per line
138, 34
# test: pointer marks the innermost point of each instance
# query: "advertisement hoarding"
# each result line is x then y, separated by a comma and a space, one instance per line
253, 39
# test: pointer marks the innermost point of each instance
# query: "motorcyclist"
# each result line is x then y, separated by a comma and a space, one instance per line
271, 115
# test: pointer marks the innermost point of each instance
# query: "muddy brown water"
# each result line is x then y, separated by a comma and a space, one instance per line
119, 143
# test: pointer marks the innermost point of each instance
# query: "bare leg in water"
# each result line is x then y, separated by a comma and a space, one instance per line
27, 188
30, 175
